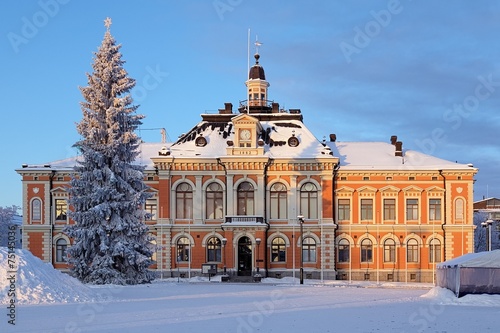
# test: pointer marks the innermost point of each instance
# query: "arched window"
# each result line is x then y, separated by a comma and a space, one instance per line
214, 199
278, 196
343, 250
278, 250
61, 246
309, 249
366, 250
459, 209
214, 249
309, 201
184, 201
389, 250
245, 199
412, 250
183, 249
36, 210
435, 250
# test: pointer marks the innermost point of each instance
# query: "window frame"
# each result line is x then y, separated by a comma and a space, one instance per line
343, 209
245, 198
366, 210
389, 209
435, 251
278, 250
435, 209
309, 200
389, 250
412, 250
61, 250
183, 249
366, 252
343, 250
214, 198
36, 210
278, 201
309, 249
412, 209
185, 196
214, 249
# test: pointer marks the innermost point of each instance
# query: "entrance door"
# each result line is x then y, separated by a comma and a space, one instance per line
244, 256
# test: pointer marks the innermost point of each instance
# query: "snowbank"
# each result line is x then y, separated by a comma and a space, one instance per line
37, 282
447, 297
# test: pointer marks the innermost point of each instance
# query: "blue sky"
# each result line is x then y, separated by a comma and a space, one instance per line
426, 71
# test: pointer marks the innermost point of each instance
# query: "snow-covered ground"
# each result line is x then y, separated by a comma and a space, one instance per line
49, 301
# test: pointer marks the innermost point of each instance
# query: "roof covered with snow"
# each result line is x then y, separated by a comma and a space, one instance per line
381, 156
273, 137
489, 259
274, 131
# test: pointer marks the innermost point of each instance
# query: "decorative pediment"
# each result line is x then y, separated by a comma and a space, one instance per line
413, 188
59, 191
367, 189
344, 189
390, 188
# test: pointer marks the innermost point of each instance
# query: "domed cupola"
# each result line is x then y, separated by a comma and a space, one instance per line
257, 71
257, 89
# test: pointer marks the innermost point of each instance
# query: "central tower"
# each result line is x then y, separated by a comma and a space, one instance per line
257, 89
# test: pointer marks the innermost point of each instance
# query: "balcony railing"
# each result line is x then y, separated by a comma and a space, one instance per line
244, 219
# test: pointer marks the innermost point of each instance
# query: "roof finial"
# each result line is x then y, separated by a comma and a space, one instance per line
257, 44
107, 23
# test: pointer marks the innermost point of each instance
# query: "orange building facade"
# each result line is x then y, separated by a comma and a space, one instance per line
253, 191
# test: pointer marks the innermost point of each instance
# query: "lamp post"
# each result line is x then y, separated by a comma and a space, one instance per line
257, 240
487, 224
301, 221
224, 242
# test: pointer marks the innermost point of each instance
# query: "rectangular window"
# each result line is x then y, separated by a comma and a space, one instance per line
343, 249
411, 209
278, 205
390, 209
61, 210
366, 253
434, 209
344, 209
366, 209
150, 208
412, 252
435, 253
389, 253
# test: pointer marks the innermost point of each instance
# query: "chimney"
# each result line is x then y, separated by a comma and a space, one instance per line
333, 137
394, 138
228, 109
399, 148
276, 107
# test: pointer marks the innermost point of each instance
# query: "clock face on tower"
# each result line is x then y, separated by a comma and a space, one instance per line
245, 134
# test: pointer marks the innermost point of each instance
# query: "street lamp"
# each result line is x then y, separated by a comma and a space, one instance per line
301, 221
487, 224
257, 240
224, 242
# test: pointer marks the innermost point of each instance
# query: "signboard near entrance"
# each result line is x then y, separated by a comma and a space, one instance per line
210, 269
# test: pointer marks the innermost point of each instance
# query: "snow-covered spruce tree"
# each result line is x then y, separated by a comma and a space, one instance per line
111, 243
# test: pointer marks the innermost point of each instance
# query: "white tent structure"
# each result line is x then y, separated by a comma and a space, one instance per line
473, 273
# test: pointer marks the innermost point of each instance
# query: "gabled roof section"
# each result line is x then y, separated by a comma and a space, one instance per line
244, 118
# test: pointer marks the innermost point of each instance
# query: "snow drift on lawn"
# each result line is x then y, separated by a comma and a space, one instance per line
38, 282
